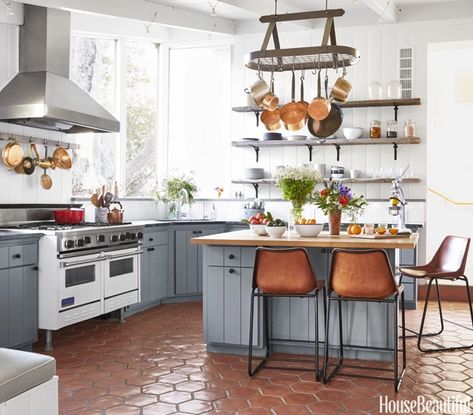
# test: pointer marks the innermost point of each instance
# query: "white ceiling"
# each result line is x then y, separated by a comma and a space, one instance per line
229, 11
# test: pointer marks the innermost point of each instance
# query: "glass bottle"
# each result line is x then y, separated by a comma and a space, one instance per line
375, 129
410, 129
391, 131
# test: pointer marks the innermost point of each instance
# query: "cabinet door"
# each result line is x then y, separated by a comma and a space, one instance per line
4, 313
180, 261
200, 254
30, 304
159, 272
215, 305
145, 275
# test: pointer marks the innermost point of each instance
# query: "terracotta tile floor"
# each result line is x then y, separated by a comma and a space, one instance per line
156, 364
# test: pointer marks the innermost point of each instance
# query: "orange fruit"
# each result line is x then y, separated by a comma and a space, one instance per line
303, 221
313, 222
393, 231
349, 232
380, 230
355, 229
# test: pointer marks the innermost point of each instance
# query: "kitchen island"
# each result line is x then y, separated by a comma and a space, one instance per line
227, 275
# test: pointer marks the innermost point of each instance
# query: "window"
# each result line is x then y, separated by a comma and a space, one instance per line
199, 115
127, 88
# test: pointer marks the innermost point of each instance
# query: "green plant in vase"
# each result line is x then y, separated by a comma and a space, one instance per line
335, 199
172, 188
297, 185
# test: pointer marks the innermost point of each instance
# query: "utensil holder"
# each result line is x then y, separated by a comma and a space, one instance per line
101, 215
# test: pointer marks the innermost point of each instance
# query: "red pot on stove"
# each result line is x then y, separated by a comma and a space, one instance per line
69, 216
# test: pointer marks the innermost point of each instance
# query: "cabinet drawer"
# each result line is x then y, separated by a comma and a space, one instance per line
15, 256
155, 238
232, 256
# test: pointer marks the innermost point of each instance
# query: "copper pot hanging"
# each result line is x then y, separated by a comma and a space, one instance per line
293, 114
12, 154
319, 108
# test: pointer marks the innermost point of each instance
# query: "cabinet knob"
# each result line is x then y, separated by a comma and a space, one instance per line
194, 232
150, 249
151, 239
36, 268
199, 232
323, 250
231, 271
231, 256
18, 256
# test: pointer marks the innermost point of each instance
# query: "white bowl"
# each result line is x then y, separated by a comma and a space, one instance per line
352, 133
275, 231
260, 230
309, 230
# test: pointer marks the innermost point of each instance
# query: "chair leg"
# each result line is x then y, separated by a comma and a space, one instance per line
327, 328
440, 348
316, 337
340, 327
327, 377
266, 325
250, 337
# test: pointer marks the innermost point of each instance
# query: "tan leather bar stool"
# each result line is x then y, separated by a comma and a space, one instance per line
364, 275
283, 273
448, 263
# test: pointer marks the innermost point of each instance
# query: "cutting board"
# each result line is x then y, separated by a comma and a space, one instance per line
376, 236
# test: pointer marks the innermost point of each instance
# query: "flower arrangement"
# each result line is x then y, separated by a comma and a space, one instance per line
172, 187
336, 198
297, 185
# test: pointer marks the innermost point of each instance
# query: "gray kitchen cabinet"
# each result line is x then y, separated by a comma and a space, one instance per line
188, 258
19, 295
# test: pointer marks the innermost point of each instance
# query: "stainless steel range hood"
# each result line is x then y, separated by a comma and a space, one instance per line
42, 95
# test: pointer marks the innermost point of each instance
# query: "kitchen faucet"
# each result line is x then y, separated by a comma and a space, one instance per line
183, 198
398, 204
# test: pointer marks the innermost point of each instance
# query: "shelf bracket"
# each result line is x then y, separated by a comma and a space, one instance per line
256, 148
256, 186
310, 147
337, 146
395, 147
256, 112
396, 108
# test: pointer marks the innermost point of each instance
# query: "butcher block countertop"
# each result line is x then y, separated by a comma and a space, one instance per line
323, 240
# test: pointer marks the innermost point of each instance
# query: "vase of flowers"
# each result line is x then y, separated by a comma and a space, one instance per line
172, 192
335, 199
297, 185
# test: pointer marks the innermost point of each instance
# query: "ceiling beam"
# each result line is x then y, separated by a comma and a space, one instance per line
264, 7
386, 10
144, 11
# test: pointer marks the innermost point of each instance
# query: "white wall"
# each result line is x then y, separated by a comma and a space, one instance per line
449, 149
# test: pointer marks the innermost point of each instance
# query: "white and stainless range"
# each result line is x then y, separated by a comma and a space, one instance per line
86, 271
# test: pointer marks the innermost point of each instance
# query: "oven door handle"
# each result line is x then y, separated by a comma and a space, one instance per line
130, 254
88, 261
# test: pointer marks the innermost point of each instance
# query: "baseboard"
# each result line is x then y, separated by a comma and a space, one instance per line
456, 293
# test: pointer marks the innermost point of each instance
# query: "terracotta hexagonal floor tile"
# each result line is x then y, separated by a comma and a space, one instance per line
255, 411
157, 388
452, 385
231, 404
266, 402
275, 390
159, 409
90, 393
173, 378
283, 379
324, 407
175, 397
210, 394
68, 405
332, 395
141, 399
296, 398
291, 410
243, 392
203, 376
105, 402
140, 380
190, 386
123, 410
195, 407
125, 391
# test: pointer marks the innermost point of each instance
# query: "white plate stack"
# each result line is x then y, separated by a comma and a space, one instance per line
254, 173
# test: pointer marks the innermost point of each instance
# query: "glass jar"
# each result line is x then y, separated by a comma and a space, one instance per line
394, 90
375, 129
391, 131
410, 129
374, 90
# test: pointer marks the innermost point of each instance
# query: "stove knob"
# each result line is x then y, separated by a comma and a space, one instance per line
87, 240
123, 237
101, 238
69, 244
140, 235
80, 242
114, 238
132, 236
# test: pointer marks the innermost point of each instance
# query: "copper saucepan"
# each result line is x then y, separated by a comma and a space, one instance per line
62, 158
293, 114
341, 89
319, 108
271, 119
12, 154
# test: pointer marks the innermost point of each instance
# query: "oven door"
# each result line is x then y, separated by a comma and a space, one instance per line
122, 271
80, 280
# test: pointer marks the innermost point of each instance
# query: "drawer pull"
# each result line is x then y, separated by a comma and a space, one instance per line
199, 232
231, 271
194, 232
36, 268
150, 249
151, 239
17, 256
231, 256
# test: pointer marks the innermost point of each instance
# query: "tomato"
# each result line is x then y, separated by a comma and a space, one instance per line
260, 216
255, 222
266, 221
324, 192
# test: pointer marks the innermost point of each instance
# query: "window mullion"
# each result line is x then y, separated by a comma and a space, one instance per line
121, 86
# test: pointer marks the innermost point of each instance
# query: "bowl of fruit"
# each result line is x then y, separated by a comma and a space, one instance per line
308, 227
258, 223
276, 228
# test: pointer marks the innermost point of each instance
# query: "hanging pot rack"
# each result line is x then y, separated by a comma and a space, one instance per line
330, 56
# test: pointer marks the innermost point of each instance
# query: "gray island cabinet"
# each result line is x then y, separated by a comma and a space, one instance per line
18, 290
227, 275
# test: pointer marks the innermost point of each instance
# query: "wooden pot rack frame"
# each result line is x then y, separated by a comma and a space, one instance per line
331, 56
42, 141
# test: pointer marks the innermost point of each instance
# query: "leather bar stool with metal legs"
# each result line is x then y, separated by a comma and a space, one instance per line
366, 276
283, 273
448, 263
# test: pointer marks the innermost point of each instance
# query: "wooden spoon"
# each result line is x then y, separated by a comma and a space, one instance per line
46, 181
